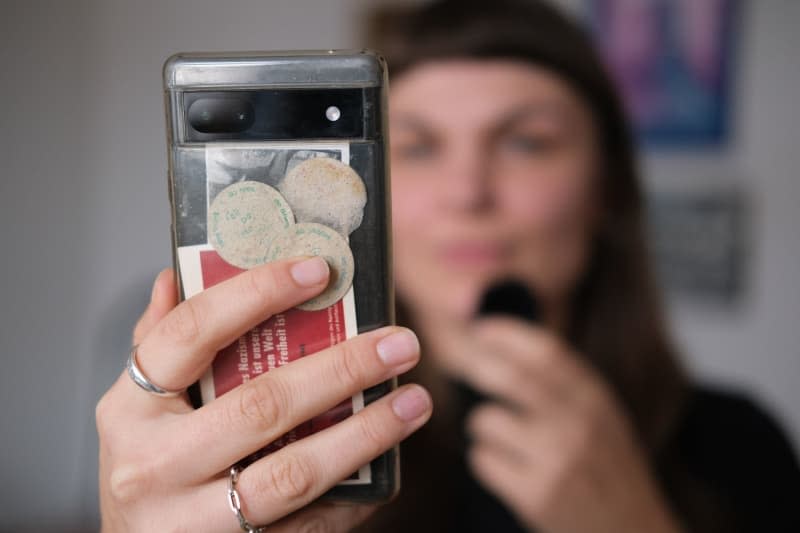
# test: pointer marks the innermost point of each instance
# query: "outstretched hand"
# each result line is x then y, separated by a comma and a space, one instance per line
164, 466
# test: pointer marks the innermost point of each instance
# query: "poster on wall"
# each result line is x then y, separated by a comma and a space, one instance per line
672, 61
700, 245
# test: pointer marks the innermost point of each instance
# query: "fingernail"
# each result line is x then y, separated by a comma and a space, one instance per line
398, 348
411, 403
310, 272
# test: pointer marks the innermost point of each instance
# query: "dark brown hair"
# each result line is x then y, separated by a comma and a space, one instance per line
616, 320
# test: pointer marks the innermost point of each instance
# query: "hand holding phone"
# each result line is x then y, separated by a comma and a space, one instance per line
274, 156
164, 466
248, 136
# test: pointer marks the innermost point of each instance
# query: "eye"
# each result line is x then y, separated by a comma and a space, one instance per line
414, 150
528, 144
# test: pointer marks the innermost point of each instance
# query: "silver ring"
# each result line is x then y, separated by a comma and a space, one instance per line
140, 379
235, 503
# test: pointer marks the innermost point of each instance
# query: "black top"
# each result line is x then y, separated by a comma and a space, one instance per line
735, 468
731, 449
741, 458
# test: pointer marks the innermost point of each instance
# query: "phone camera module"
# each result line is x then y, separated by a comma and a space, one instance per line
221, 115
333, 113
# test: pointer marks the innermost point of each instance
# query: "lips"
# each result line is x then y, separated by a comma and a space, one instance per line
474, 255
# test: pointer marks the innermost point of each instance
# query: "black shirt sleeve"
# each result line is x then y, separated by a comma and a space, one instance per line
743, 472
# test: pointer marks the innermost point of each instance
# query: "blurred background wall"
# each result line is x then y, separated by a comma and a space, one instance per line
85, 220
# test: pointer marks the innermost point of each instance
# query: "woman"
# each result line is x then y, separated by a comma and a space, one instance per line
510, 160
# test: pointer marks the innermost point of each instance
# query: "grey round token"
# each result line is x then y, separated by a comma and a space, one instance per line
326, 191
243, 220
309, 238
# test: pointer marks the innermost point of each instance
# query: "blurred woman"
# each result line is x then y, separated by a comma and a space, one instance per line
511, 160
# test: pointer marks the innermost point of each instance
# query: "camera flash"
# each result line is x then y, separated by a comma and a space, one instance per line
333, 113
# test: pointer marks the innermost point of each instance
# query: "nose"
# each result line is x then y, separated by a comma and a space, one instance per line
466, 180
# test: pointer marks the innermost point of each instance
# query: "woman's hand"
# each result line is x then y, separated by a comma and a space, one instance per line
555, 446
164, 466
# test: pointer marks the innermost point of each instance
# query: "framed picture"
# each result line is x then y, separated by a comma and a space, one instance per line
672, 61
700, 243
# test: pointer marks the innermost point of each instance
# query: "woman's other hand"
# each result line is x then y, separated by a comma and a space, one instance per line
554, 445
164, 466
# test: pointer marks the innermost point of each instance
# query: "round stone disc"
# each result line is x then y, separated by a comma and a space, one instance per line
243, 219
308, 238
326, 191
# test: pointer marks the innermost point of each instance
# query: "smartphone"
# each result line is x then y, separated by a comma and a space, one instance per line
278, 154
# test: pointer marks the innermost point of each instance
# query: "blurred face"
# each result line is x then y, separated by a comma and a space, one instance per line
492, 178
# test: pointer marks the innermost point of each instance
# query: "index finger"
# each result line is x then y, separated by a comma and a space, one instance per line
532, 348
536, 355
163, 298
177, 350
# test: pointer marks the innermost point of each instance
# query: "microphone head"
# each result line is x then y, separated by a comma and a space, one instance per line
511, 298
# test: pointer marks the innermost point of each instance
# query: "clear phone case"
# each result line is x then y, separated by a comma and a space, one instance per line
237, 122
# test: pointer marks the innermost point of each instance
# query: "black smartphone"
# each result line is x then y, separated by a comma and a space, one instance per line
279, 154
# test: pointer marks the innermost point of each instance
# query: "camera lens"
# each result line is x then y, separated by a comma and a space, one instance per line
221, 115
333, 113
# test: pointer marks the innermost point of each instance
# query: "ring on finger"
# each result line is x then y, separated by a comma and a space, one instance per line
143, 381
235, 502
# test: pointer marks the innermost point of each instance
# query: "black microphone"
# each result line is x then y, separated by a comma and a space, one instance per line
507, 298
510, 298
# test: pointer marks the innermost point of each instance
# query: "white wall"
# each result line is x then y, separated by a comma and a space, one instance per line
757, 343
83, 211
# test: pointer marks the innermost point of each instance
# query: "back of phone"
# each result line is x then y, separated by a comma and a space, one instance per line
273, 155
